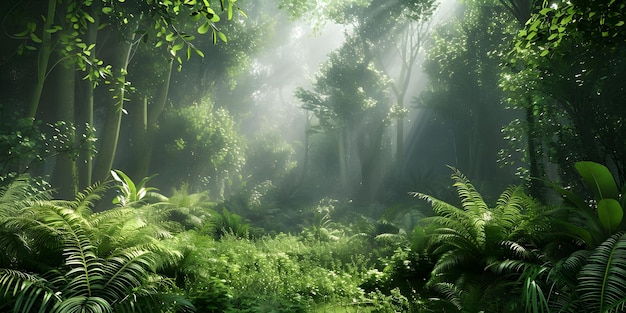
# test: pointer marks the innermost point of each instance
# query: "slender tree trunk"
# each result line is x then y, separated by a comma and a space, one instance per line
305, 158
109, 137
139, 141
84, 110
145, 139
343, 167
400, 143
64, 176
534, 156
42, 61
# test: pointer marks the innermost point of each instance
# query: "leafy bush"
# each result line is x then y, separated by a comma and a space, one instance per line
200, 146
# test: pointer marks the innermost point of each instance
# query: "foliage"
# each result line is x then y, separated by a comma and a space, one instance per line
129, 193
463, 256
203, 144
268, 157
566, 70
69, 260
228, 223
27, 143
462, 95
598, 215
601, 283
282, 272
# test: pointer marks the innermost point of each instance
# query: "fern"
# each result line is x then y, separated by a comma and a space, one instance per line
602, 281
28, 290
106, 261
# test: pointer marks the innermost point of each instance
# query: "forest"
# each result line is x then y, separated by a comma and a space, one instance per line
312, 156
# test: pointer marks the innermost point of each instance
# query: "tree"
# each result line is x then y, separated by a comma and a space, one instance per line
200, 146
67, 38
369, 33
217, 74
463, 67
568, 61
349, 100
410, 31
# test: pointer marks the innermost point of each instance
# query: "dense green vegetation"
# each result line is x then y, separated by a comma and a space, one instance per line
171, 156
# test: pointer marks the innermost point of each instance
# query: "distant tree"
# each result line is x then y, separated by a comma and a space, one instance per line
349, 100
463, 66
398, 56
373, 35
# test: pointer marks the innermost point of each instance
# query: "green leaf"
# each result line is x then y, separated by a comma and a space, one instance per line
178, 47
199, 52
107, 10
545, 11
170, 37
610, 213
598, 179
195, 16
21, 34
222, 36
204, 28
242, 13
34, 38
89, 17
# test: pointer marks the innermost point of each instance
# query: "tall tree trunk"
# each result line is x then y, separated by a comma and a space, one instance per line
122, 43
534, 156
142, 150
400, 141
84, 109
42, 61
145, 139
305, 158
64, 176
341, 153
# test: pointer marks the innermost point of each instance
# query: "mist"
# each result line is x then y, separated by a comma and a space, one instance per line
312, 156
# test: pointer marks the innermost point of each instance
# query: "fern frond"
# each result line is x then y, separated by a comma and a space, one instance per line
84, 201
509, 207
451, 293
469, 196
566, 270
19, 194
452, 262
30, 293
81, 303
125, 271
602, 281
